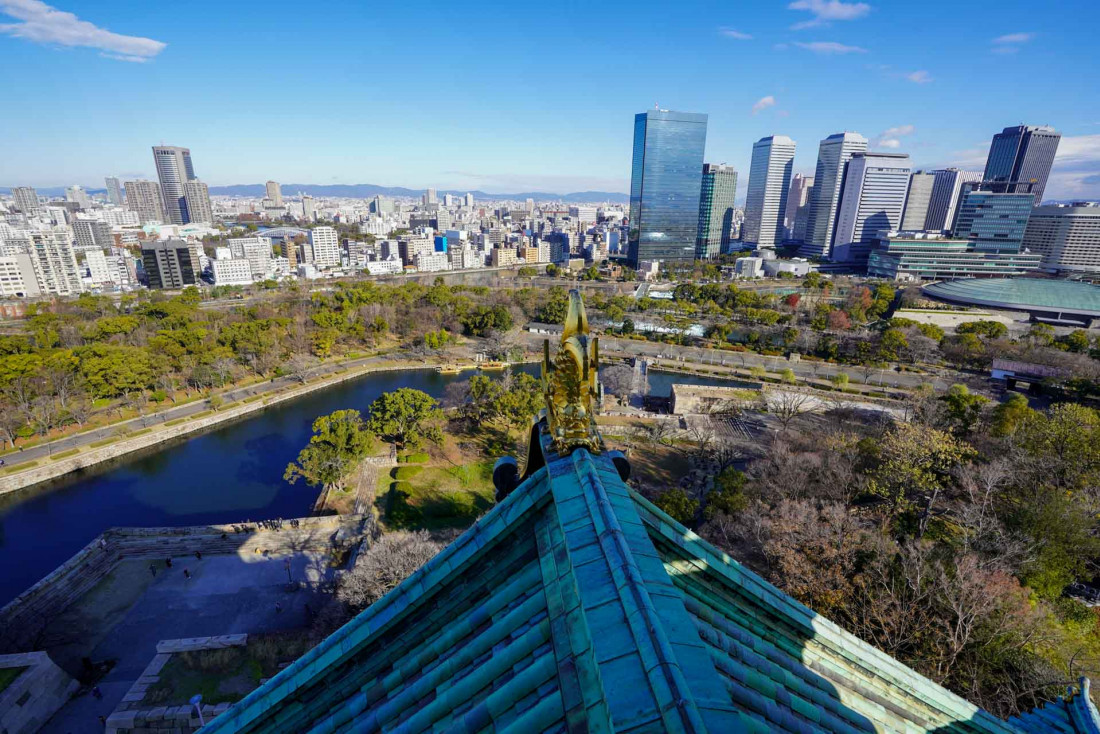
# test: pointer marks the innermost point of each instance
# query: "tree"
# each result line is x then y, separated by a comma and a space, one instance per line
840, 380
964, 408
390, 560
1010, 415
786, 405
340, 440
555, 309
788, 377
406, 418
677, 505
617, 380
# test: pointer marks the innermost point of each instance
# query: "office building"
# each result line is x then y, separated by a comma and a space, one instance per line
468, 201
943, 205
174, 170
994, 221
17, 278
326, 247
429, 197
92, 234
197, 198
144, 199
231, 271
54, 262
114, 191
26, 199
1067, 237
769, 184
1021, 155
832, 160
917, 200
432, 262
309, 208
171, 264
872, 200
381, 205
798, 201
665, 185
274, 192
911, 256
78, 196
716, 206
256, 251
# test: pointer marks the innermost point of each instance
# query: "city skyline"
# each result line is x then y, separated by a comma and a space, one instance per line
927, 103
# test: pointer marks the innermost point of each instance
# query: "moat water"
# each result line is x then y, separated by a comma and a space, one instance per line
230, 474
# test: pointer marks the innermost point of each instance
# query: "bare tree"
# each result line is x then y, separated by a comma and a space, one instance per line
786, 405
389, 561
299, 366
618, 379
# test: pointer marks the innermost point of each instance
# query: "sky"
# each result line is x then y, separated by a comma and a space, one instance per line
507, 97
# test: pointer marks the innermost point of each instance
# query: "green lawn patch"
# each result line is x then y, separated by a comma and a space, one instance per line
102, 442
406, 472
64, 454
20, 467
142, 432
8, 676
203, 414
414, 458
437, 497
174, 421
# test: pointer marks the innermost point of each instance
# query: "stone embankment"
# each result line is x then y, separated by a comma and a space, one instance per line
24, 618
35, 695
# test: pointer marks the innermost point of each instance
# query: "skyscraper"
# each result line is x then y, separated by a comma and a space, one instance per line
715, 210
309, 208
197, 198
872, 200
54, 262
468, 201
769, 184
174, 170
832, 158
994, 221
946, 188
326, 247
143, 198
1067, 237
429, 197
665, 185
798, 198
274, 192
78, 195
26, 199
170, 263
1022, 155
114, 191
917, 200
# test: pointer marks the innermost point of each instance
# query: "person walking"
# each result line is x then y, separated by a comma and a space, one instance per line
278, 607
153, 569
168, 562
186, 574
198, 554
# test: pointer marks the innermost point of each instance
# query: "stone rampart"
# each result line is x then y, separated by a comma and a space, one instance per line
36, 695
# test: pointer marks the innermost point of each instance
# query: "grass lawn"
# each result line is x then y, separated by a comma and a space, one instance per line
439, 496
8, 676
228, 674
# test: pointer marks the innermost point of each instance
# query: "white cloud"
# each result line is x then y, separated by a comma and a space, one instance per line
1014, 38
825, 11
889, 138
1076, 171
830, 47
731, 33
42, 23
919, 77
762, 104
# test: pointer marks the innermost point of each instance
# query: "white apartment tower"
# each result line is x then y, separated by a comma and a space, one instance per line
873, 200
326, 247
55, 262
174, 169
114, 190
274, 192
144, 199
197, 196
832, 158
26, 199
769, 183
798, 198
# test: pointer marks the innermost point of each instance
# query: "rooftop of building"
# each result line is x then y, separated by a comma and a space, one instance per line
1022, 294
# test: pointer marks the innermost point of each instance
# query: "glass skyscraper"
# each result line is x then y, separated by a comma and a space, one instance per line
716, 210
994, 221
665, 184
1022, 155
832, 161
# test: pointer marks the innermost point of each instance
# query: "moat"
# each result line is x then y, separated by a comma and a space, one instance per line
230, 474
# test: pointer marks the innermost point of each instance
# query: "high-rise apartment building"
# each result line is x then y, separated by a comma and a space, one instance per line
993, 221
26, 199
798, 199
171, 264
716, 203
832, 159
114, 190
769, 184
917, 200
274, 192
429, 197
1067, 237
309, 208
326, 247
1019, 156
872, 200
256, 250
174, 170
144, 199
17, 278
92, 234
197, 198
665, 185
944, 202
468, 201
78, 196
54, 262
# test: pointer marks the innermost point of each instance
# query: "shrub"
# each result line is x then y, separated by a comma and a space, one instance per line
419, 457
406, 472
65, 454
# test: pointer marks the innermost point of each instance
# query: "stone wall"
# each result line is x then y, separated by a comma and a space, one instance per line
24, 618
36, 695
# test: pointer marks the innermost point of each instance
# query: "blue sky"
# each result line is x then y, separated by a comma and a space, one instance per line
520, 96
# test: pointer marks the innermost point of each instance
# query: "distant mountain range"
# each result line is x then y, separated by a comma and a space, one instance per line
366, 191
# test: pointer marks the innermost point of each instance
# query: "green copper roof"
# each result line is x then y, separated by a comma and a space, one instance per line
1022, 294
575, 605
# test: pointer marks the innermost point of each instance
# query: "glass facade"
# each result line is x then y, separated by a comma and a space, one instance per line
943, 259
994, 222
1022, 155
716, 210
665, 184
